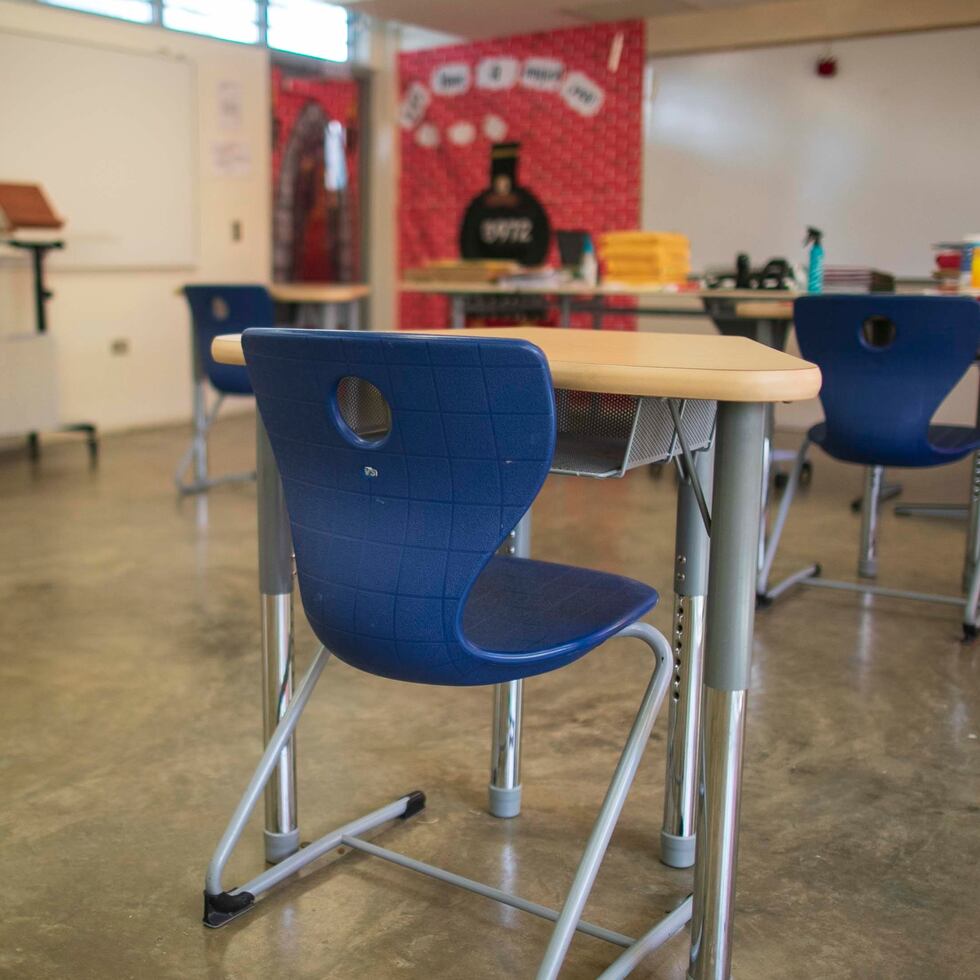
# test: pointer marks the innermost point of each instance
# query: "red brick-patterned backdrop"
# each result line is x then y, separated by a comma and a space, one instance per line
323, 260
584, 169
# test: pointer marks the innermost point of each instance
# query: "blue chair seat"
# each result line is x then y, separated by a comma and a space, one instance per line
522, 611
946, 444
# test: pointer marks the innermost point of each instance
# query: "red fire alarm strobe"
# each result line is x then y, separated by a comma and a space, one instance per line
827, 66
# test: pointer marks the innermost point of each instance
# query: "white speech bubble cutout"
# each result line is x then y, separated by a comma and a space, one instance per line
582, 94
497, 74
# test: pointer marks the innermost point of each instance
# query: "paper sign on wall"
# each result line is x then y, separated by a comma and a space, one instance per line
497, 74
230, 158
231, 105
413, 106
451, 79
542, 74
582, 94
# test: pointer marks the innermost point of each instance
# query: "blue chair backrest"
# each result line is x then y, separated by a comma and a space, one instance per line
887, 364
391, 530
218, 309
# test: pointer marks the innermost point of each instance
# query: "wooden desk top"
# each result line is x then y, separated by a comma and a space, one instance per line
317, 292
753, 310
660, 364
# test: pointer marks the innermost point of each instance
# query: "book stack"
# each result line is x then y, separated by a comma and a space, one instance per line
640, 257
856, 279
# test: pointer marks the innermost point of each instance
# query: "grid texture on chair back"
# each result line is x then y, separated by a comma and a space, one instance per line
218, 309
887, 364
391, 530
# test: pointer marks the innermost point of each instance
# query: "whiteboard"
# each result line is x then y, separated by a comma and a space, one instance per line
747, 148
111, 135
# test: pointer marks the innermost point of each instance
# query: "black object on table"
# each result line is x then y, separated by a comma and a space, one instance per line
42, 294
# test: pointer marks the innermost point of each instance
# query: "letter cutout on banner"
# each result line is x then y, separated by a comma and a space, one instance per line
497, 74
413, 106
452, 79
542, 74
582, 94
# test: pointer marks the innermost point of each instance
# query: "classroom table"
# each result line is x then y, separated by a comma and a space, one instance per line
742, 377
577, 297
324, 300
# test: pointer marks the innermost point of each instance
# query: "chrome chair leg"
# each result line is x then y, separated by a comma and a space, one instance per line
612, 805
766, 594
504, 790
197, 452
868, 548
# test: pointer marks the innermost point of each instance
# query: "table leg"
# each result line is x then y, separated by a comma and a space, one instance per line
505, 738
684, 709
354, 315
457, 311
766, 483
329, 316
276, 588
727, 665
564, 311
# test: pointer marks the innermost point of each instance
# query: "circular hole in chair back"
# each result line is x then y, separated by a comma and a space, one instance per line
878, 332
363, 409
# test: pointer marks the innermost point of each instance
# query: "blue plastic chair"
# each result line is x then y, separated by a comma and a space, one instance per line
217, 309
406, 461
888, 362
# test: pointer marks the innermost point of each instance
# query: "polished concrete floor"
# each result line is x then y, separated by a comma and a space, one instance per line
129, 722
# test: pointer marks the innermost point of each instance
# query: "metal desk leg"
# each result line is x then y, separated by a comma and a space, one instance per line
564, 311
684, 710
329, 316
766, 484
727, 665
276, 588
505, 740
354, 315
457, 311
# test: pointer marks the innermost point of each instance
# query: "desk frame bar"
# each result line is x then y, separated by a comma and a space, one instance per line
681, 785
727, 667
276, 588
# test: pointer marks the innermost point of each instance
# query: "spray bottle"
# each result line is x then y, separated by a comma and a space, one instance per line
814, 278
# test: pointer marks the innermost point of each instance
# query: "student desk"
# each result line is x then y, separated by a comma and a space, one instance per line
326, 299
742, 376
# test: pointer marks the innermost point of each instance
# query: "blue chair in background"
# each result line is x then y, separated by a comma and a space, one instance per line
217, 309
887, 363
406, 461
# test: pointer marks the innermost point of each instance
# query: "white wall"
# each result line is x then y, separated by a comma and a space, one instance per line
91, 309
743, 149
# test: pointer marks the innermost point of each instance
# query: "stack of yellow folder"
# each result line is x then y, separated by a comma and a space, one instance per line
645, 256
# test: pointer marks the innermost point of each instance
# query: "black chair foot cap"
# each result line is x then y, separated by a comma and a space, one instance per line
817, 571
416, 804
220, 909
970, 632
762, 600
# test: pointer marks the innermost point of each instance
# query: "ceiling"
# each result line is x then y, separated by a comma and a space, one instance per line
495, 18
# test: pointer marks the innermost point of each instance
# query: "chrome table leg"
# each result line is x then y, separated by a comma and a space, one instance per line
727, 665
505, 737
276, 588
684, 706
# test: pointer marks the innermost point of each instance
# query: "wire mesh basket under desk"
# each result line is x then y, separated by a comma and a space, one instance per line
603, 435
